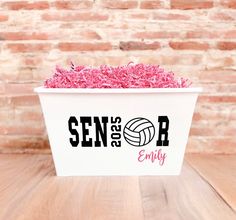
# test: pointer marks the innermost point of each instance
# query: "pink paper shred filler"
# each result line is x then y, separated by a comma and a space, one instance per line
127, 76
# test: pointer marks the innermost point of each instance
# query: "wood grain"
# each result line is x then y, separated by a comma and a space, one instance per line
186, 196
219, 171
32, 191
29, 190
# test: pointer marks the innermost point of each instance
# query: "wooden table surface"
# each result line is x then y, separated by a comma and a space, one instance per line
29, 190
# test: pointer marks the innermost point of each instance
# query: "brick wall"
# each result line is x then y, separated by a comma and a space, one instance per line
195, 38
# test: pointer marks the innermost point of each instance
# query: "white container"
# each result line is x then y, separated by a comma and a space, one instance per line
132, 118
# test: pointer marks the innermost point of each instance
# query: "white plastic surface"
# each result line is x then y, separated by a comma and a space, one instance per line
59, 104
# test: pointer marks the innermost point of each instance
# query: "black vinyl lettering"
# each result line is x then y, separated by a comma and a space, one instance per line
116, 143
116, 136
116, 128
163, 131
101, 131
75, 140
115, 120
85, 131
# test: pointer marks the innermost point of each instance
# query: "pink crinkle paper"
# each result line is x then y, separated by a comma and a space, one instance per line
104, 76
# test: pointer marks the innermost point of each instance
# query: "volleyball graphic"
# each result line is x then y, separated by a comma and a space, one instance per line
139, 132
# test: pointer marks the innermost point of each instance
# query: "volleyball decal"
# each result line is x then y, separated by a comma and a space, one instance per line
139, 132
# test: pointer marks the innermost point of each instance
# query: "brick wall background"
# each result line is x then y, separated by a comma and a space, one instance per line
195, 38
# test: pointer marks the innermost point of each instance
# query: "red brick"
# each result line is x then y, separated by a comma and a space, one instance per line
211, 145
205, 131
6, 115
197, 116
147, 59
25, 100
220, 88
230, 34
170, 16
193, 4
18, 75
5, 102
227, 143
29, 115
228, 3
80, 16
3, 17
222, 76
23, 36
80, 25
214, 114
32, 61
119, 4
89, 34
2, 87
203, 34
213, 98
184, 59
218, 62
222, 16
139, 16
26, 47
151, 4
19, 88
23, 144
71, 46
112, 60
188, 45
21, 130
25, 5
134, 45
156, 34
72, 5
226, 45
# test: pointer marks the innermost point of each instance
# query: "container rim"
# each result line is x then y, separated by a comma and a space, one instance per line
116, 90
